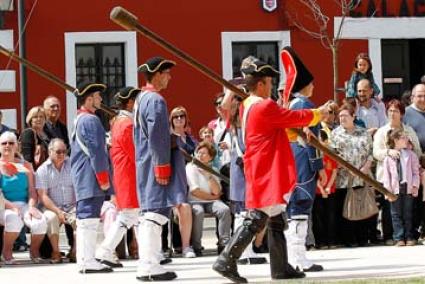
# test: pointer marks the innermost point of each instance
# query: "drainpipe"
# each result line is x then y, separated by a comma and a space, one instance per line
22, 68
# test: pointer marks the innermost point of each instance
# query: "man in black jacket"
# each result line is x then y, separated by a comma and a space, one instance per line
53, 127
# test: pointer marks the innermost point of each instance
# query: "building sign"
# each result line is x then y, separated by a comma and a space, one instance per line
269, 5
389, 8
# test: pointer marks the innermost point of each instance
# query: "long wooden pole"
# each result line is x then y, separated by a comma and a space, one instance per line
130, 22
49, 76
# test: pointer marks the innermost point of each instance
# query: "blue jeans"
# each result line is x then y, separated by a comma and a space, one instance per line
401, 214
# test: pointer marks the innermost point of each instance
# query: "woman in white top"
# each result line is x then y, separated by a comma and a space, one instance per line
395, 112
204, 195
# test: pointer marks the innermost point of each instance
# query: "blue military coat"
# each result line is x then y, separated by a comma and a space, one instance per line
153, 147
89, 159
308, 163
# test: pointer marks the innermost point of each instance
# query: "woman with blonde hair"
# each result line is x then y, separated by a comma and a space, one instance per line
20, 200
34, 141
180, 139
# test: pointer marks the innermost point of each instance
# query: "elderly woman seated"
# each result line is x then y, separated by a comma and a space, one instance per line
20, 199
204, 196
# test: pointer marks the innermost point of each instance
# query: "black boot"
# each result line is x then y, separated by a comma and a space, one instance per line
279, 266
226, 261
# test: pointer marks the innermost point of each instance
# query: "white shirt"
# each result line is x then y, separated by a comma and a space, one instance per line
221, 136
374, 116
196, 180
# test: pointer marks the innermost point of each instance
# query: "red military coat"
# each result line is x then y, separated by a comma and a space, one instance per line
123, 161
269, 163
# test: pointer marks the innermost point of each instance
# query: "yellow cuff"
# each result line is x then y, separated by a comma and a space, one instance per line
292, 135
316, 117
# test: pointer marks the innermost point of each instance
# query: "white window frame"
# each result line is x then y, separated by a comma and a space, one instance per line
283, 38
72, 39
375, 29
7, 77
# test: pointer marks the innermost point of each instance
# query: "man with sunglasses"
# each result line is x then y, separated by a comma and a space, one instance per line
221, 137
56, 192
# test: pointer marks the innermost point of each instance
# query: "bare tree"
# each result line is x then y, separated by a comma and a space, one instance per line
318, 28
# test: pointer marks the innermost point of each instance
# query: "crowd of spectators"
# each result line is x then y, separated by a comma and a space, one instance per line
384, 141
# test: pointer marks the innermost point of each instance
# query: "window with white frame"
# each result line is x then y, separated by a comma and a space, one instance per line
106, 57
263, 45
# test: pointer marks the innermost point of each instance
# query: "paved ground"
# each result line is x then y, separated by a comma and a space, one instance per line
357, 263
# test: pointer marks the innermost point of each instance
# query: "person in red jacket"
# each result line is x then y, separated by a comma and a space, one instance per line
269, 169
124, 171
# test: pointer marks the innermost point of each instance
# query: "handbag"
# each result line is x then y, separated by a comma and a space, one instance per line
359, 204
40, 155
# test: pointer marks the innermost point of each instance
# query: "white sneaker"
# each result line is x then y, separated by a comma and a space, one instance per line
188, 252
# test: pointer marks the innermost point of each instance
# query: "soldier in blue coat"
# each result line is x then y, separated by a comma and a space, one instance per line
309, 166
160, 176
90, 175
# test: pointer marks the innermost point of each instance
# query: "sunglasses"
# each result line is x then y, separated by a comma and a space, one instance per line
181, 116
10, 143
59, 152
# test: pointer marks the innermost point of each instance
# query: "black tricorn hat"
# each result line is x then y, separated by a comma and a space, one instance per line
302, 76
260, 69
86, 88
156, 64
126, 93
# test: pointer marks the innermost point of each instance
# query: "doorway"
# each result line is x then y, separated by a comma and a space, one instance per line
403, 64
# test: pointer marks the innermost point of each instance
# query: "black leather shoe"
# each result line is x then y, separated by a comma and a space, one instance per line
165, 261
290, 273
198, 252
110, 263
261, 249
252, 260
226, 261
167, 276
91, 271
228, 271
314, 268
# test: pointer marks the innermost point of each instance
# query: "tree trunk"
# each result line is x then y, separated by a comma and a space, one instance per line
334, 50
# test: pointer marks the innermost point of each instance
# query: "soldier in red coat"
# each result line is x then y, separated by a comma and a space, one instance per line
124, 169
270, 172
